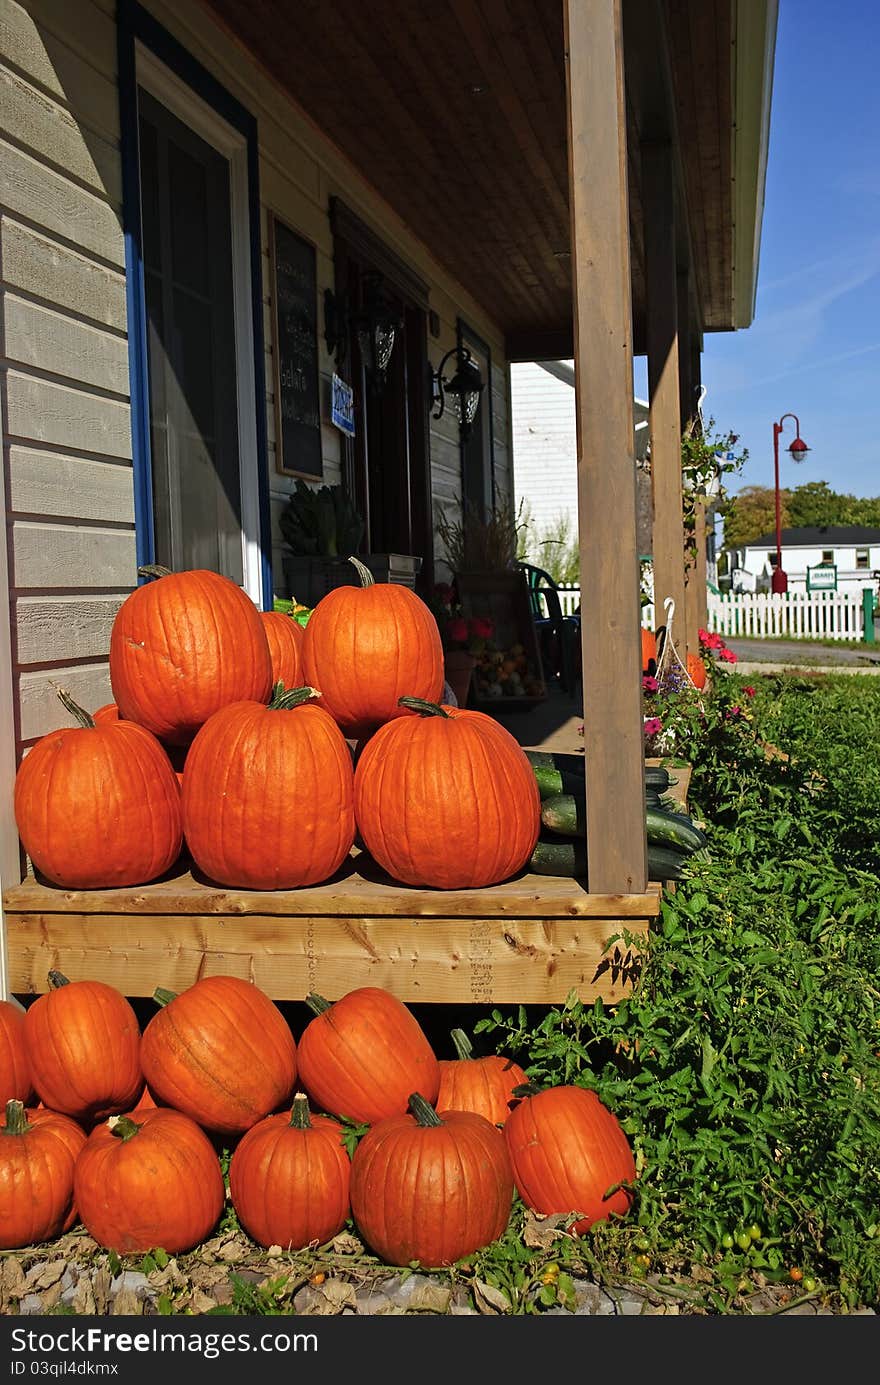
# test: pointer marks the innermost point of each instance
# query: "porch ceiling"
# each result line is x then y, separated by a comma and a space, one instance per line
456, 113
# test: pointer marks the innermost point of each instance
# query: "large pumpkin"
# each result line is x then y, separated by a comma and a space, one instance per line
285, 636
289, 1179
363, 1056
366, 647
38, 1153
221, 1052
570, 1154
485, 1085
83, 1041
153, 1182
268, 794
696, 670
431, 1187
15, 1066
98, 805
183, 646
446, 799
649, 651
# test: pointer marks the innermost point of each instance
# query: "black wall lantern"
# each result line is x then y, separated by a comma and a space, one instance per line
377, 324
461, 390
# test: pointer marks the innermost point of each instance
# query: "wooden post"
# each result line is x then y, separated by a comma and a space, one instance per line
658, 197
609, 567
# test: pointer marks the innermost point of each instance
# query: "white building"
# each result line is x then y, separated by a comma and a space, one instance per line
853, 550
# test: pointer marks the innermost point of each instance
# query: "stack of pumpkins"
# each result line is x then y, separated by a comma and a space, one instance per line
233, 730
128, 1130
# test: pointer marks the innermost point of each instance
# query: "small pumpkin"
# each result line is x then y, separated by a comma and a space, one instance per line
286, 637
362, 1056
38, 1153
454, 767
15, 1065
485, 1085
649, 651
147, 1183
696, 670
431, 1187
268, 794
367, 646
97, 805
83, 1041
289, 1178
221, 1052
570, 1154
182, 647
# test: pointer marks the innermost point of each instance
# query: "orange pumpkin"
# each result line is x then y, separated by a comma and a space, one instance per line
570, 1154
363, 1056
268, 794
147, 1183
366, 647
221, 1052
289, 1179
485, 1085
649, 651
286, 637
15, 1066
38, 1154
454, 767
431, 1187
696, 670
83, 1041
98, 805
182, 647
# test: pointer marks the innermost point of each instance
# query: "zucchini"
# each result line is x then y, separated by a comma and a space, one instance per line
564, 814
673, 829
569, 858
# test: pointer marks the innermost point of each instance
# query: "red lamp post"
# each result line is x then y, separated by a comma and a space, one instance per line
798, 450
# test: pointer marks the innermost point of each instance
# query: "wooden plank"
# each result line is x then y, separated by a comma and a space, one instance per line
43, 411
63, 629
51, 201
609, 572
50, 341
48, 483
50, 132
69, 556
51, 271
40, 710
478, 960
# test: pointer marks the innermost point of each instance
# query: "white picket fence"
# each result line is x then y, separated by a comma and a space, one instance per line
801, 614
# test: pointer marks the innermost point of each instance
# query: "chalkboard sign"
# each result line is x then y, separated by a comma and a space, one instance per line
295, 314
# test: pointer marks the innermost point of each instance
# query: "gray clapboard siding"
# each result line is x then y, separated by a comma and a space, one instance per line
39, 336
47, 483
61, 555
48, 130
40, 56
40, 195
64, 628
53, 272
44, 411
41, 711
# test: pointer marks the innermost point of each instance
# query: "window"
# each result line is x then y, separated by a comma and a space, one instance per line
863, 558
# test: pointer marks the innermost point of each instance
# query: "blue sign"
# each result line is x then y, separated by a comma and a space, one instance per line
342, 406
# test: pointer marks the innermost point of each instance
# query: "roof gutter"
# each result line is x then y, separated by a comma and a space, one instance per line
754, 37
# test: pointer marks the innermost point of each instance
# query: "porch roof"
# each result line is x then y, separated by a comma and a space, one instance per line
456, 113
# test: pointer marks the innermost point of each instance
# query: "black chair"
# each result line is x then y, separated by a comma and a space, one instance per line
559, 635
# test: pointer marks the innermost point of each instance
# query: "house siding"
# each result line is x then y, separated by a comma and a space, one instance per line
67, 423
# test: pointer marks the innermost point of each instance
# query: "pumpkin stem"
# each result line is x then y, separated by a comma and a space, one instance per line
16, 1120
82, 716
154, 570
363, 572
57, 979
284, 698
123, 1127
299, 1117
425, 709
423, 1110
463, 1046
316, 1003
163, 997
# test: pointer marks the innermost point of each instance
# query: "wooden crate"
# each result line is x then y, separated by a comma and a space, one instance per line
504, 598
533, 939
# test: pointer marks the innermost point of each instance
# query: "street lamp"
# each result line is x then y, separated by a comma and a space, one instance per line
798, 450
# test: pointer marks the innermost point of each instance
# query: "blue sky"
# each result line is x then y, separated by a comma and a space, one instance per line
813, 348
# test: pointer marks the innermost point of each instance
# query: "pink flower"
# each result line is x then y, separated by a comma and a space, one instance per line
457, 629
728, 656
649, 684
749, 691
653, 726
481, 627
